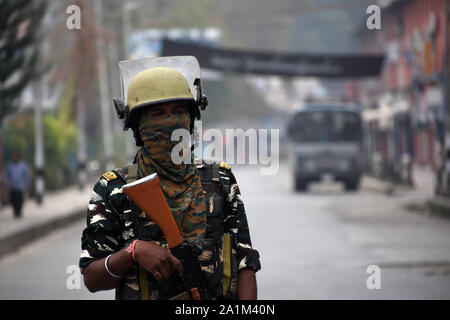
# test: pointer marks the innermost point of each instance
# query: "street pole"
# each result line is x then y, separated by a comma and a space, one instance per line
82, 154
82, 93
39, 94
39, 144
105, 106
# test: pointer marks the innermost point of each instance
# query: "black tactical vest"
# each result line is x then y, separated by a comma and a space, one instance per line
218, 259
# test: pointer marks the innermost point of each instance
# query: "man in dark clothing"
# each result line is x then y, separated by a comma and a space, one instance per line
17, 179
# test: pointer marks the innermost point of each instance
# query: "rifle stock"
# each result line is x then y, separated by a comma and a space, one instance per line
147, 194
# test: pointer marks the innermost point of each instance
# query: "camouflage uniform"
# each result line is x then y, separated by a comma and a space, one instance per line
113, 222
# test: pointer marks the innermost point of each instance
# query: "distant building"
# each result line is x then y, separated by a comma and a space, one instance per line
405, 105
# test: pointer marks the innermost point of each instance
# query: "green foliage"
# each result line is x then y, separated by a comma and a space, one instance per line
17, 134
60, 136
19, 49
60, 131
60, 140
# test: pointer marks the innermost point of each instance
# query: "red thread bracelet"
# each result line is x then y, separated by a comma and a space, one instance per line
130, 250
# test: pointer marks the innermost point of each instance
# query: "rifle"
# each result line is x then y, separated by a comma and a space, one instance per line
147, 194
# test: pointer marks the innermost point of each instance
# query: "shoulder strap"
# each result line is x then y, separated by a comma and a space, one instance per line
215, 174
132, 172
209, 172
127, 173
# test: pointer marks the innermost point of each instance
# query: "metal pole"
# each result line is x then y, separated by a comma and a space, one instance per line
105, 106
40, 87
39, 144
82, 154
79, 102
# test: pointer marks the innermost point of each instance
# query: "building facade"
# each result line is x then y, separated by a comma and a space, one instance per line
405, 107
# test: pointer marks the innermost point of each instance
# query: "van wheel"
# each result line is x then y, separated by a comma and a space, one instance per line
301, 185
351, 184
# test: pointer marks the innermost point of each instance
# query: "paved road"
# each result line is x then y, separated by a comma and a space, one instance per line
46, 269
318, 245
315, 245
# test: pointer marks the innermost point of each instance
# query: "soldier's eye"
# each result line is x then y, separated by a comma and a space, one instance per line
157, 113
179, 110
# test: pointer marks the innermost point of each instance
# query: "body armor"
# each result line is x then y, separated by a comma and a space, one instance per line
218, 260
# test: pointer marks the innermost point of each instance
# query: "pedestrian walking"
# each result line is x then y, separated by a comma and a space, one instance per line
17, 180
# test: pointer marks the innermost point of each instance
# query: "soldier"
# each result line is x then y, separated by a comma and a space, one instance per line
123, 249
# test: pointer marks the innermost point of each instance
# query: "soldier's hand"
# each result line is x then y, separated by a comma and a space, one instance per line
156, 260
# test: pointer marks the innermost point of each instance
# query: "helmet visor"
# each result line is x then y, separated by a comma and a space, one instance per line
187, 65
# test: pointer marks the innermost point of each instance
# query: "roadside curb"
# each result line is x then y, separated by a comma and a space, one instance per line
12, 242
439, 206
373, 184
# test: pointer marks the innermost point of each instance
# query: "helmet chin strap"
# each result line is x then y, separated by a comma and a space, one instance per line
122, 112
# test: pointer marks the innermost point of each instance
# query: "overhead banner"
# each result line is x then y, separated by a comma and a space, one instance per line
273, 63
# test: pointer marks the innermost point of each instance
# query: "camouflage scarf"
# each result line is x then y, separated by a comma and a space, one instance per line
180, 183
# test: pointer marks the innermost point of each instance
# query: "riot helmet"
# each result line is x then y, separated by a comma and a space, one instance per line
148, 82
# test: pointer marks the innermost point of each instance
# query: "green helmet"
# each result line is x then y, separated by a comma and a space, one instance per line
157, 85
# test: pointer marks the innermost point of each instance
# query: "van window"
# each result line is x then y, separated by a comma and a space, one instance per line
326, 126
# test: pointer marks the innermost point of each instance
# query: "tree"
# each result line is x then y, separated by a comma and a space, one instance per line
19, 52
60, 135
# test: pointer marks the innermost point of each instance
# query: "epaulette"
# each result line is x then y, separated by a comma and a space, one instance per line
224, 165
110, 176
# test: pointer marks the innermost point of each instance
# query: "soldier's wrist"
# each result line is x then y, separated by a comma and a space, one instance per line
115, 264
131, 250
138, 246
